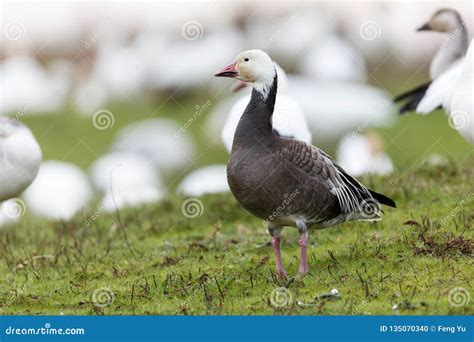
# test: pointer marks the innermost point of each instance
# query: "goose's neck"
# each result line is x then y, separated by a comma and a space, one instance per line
453, 48
256, 121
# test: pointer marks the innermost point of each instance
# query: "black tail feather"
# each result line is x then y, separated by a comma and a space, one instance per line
420, 89
414, 97
383, 199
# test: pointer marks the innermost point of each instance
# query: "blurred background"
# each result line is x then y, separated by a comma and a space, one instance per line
130, 86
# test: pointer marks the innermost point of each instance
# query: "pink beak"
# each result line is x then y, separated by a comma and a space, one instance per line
228, 71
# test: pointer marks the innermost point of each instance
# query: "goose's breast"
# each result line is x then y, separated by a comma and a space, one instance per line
263, 186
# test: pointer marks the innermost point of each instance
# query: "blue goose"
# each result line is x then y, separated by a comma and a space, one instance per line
288, 117
284, 181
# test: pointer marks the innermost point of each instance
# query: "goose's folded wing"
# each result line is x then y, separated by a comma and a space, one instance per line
440, 91
350, 194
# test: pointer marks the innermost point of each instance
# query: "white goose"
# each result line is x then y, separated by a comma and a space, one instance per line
461, 109
32, 88
126, 180
451, 73
453, 92
364, 154
190, 67
206, 180
336, 108
20, 158
161, 141
334, 59
60, 191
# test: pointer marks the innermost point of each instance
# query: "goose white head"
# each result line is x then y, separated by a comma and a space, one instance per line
444, 20
252, 66
282, 81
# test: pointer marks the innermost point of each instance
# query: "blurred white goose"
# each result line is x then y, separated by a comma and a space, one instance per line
191, 60
363, 154
289, 35
454, 47
159, 140
31, 88
335, 108
333, 59
59, 192
119, 72
126, 180
288, 117
453, 91
445, 68
461, 109
20, 158
206, 180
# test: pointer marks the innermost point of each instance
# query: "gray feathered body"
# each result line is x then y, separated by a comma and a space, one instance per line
284, 181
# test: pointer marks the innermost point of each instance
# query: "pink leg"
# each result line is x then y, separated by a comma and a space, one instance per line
303, 242
276, 248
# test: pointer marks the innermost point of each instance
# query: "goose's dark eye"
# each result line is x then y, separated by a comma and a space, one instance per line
246, 59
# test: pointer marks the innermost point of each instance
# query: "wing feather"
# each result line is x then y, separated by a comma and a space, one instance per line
350, 193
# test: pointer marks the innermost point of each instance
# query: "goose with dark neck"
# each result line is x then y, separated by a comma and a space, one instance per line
255, 122
283, 181
288, 119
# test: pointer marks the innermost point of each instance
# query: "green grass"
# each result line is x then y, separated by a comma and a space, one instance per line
157, 261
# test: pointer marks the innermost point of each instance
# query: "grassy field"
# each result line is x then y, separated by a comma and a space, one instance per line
163, 259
